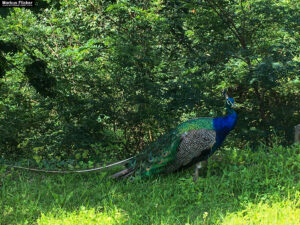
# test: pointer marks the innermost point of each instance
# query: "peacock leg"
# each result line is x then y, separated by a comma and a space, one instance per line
196, 175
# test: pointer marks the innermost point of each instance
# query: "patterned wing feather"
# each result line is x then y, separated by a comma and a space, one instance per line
165, 154
192, 144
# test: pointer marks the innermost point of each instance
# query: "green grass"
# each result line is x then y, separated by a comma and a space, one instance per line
245, 187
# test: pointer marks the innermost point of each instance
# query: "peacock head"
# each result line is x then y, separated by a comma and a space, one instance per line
229, 102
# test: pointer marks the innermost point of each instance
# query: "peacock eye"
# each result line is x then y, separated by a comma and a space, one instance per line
150, 159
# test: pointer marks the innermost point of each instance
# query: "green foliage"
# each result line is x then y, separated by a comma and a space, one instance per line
75, 75
245, 187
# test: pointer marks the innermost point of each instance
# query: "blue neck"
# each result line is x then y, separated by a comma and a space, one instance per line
222, 126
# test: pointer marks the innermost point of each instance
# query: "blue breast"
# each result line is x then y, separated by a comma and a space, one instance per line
222, 126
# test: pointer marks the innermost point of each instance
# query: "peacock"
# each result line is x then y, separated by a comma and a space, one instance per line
191, 142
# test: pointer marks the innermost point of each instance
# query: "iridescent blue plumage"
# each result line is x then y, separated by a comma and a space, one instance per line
223, 125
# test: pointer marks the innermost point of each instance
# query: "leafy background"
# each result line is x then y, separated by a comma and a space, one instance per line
82, 82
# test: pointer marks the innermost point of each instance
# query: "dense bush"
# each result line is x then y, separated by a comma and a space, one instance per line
104, 78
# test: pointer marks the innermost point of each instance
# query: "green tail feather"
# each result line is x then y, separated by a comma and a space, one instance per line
159, 165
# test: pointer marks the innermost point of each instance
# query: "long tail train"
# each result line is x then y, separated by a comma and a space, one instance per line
71, 171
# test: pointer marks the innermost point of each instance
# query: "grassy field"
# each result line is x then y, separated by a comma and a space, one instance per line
245, 187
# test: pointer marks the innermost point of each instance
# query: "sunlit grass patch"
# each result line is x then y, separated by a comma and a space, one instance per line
83, 216
280, 213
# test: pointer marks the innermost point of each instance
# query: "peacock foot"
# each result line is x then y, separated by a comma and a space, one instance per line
196, 175
195, 178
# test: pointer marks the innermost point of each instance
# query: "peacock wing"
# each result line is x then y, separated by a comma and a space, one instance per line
161, 155
157, 155
194, 145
